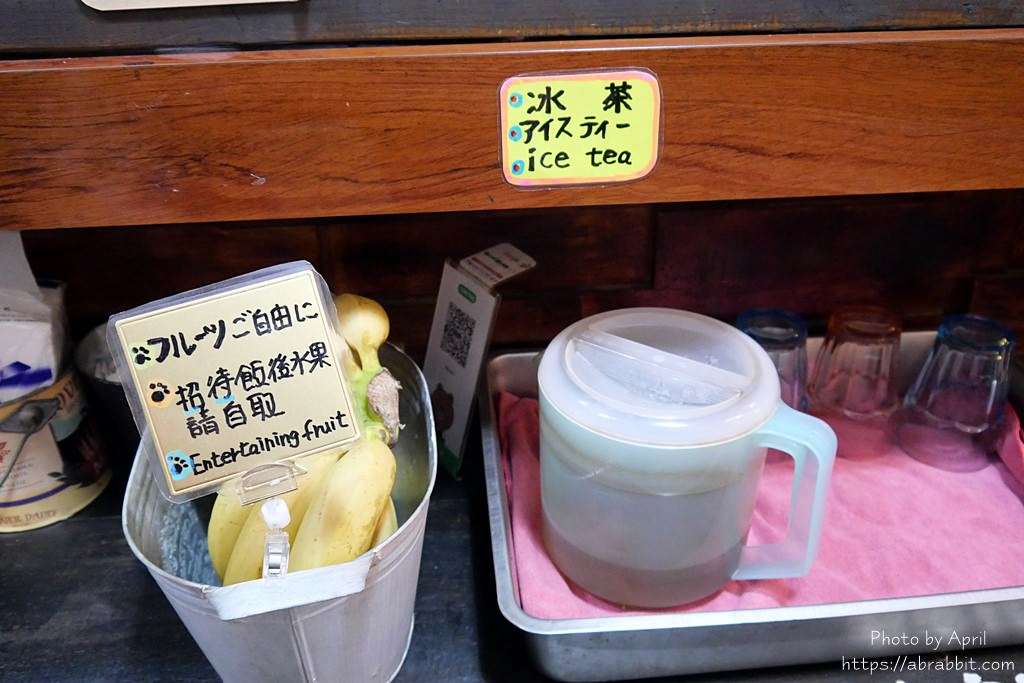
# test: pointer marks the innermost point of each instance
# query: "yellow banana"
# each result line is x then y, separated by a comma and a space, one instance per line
349, 366
349, 508
365, 326
386, 525
225, 523
340, 522
319, 468
246, 563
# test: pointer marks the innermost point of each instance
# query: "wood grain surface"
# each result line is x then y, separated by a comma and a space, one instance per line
66, 27
926, 255
333, 132
1002, 297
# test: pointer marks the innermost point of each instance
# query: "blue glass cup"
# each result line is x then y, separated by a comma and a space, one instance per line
953, 412
784, 336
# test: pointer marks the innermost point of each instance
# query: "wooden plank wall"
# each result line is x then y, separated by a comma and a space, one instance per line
924, 254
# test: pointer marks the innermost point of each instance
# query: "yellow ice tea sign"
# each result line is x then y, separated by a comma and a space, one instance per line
579, 128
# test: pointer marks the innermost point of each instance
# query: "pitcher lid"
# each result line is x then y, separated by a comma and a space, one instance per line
659, 376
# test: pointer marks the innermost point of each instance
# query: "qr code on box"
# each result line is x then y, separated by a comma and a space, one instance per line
458, 334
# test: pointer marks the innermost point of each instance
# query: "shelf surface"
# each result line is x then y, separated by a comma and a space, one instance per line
77, 606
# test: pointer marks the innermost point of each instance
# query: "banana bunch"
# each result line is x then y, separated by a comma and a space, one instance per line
343, 506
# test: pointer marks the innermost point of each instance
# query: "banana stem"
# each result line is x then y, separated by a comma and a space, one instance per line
368, 359
365, 415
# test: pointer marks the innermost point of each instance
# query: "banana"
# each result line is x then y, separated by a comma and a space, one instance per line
365, 326
319, 469
339, 510
386, 525
340, 522
246, 563
225, 524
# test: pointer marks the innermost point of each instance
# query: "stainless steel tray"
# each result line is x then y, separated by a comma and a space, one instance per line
617, 648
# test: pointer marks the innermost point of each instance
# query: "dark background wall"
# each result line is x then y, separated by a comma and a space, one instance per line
923, 254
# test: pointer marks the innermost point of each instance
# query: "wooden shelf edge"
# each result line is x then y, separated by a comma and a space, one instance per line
331, 132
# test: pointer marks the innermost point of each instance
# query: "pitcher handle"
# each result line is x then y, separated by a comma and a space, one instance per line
812, 445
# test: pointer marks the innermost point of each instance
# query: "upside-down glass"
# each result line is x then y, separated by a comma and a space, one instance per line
954, 409
784, 336
854, 374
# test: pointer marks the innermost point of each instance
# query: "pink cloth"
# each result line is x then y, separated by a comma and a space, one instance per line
893, 527
1011, 451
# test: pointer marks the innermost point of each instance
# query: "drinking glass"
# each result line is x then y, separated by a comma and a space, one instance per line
954, 410
784, 336
854, 373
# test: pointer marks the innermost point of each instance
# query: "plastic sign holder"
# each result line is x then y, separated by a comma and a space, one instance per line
230, 384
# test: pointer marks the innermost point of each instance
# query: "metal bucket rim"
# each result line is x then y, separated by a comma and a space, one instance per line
421, 508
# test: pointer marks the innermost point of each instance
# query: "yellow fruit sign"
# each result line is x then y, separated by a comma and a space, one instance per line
579, 128
243, 376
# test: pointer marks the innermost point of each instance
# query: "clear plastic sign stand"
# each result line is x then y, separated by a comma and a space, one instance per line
267, 483
275, 553
231, 383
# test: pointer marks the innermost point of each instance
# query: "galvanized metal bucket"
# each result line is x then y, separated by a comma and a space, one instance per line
361, 635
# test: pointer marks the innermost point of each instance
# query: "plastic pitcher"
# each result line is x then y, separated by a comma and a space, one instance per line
654, 425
